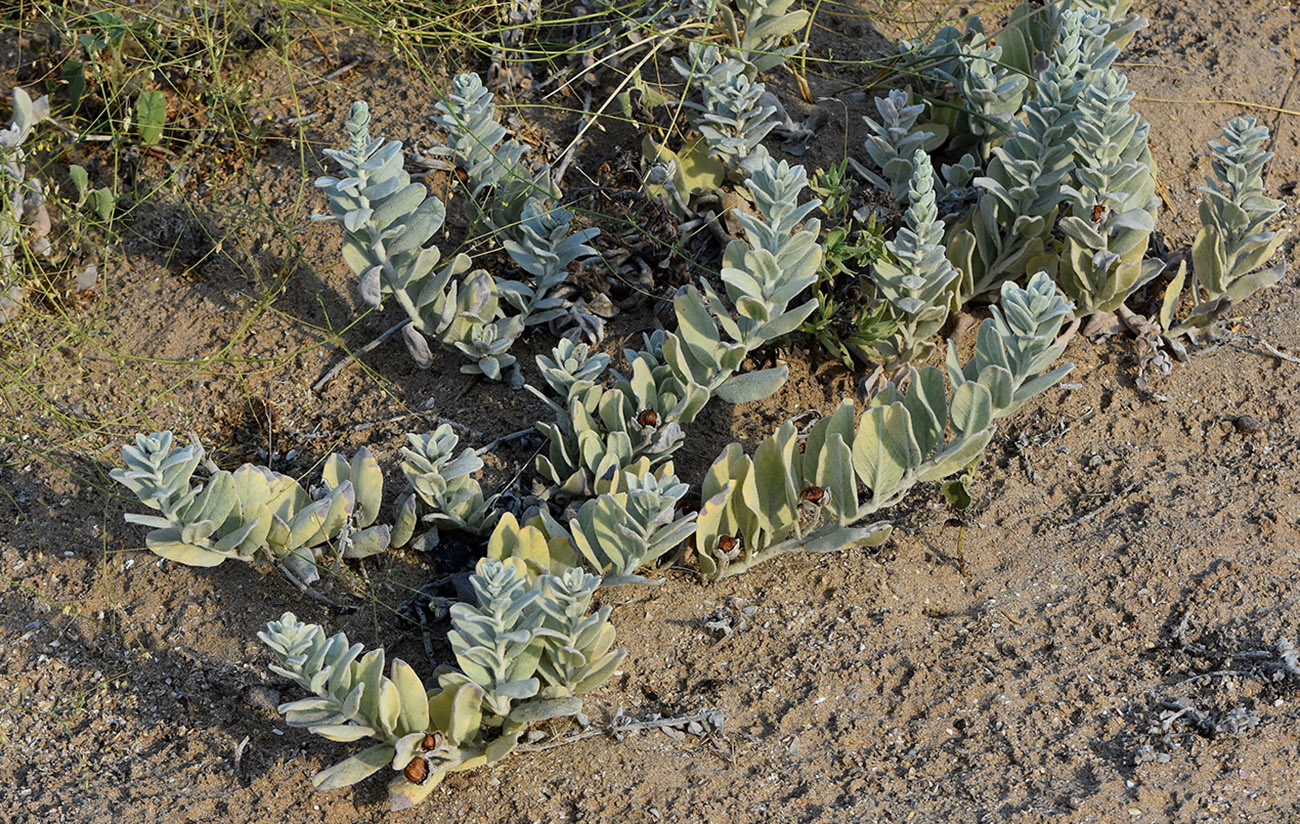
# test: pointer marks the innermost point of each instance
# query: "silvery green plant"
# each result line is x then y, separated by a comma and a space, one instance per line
444, 494
728, 113
1121, 22
932, 67
423, 734
603, 430
992, 93
916, 278
1234, 240
1016, 346
1111, 202
767, 24
956, 186
253, 513
971, 66
544, 245
499, 181
386, 220
783, 499
1008, 231
1032, 30
896, 137
570, 367
22, 205
516, 204
619, 533
578, 654
496, 643
776, 261
523, 637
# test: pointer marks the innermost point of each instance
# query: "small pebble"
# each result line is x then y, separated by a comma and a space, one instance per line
1248, 424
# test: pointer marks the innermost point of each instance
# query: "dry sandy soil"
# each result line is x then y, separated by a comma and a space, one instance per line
1022, 663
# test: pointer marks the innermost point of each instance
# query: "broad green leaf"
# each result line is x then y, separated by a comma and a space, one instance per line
752, 386
151, 116
972, 408
348, 772
413, 700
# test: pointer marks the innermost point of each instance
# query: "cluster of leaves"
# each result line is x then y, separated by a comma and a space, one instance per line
600, 430
613, 535
524, 653
253, 513
519, 206
768, 25
1234, 241
24, 218
387, 219
729, 113
1069, 182
915, 430
443, 492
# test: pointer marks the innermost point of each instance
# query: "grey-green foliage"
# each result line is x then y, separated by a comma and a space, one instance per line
767, 24
514, 203
619, 533
784, 499
728, 112
578, 650
252, 513
599, 430
916, 278
894, 142
1008, 231
1015, 347
525, 652
387, 218
544, 245
22, 206
992, 92
970, 65
444, 494
353, 699
499, 181
1111, 205
776, 261
1033, 29
1234, 240
496, 643
570, 364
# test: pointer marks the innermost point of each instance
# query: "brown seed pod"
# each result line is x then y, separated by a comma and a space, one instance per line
431, 741
648, 417
417, 771
1098, 212
726, 543
813, 494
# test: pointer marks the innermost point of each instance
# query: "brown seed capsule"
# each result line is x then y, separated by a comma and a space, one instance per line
1098, 212
417, 772
726, 543
813, 494
648, 417
431, 741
